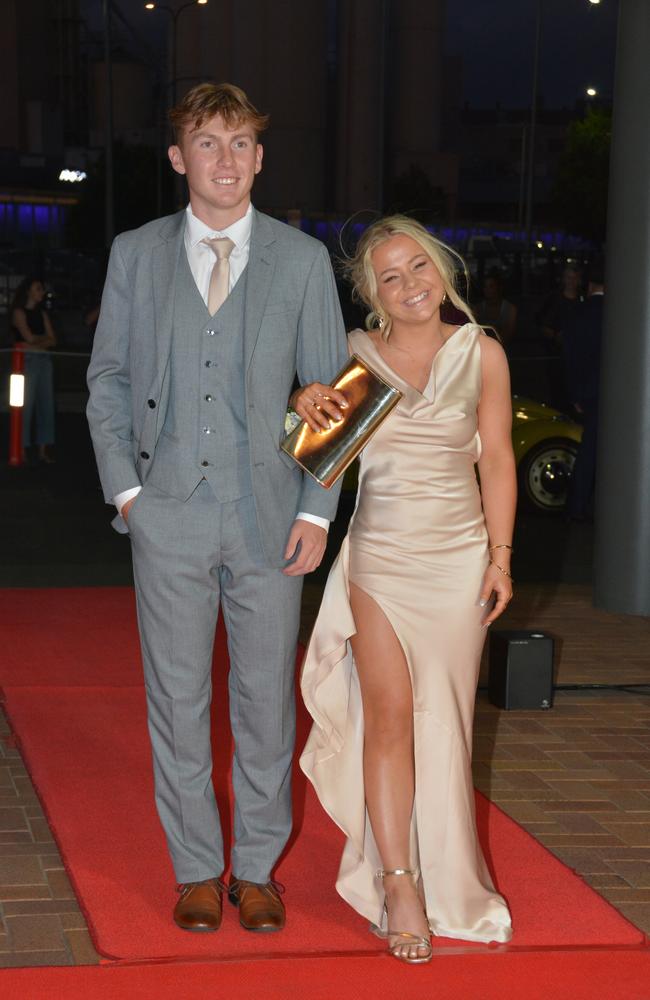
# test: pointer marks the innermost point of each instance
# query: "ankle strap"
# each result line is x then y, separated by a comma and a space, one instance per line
382, 872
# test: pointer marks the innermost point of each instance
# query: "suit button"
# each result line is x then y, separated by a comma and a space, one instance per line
210, 333
209, 398
208, 364
204, 462
151, 403
144, 454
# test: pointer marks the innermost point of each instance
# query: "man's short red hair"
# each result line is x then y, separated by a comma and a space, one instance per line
209, 99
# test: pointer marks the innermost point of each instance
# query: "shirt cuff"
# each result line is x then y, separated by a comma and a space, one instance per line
322, 522
121, 498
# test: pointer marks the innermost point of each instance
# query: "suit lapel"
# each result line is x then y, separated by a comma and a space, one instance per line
164, 262
261, 268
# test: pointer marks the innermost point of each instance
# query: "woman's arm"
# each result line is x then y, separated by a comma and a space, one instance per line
34, 342
19, 321
497, 472
50, 337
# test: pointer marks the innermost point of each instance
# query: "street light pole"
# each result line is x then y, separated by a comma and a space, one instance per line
174, 13
109, 216
530, 168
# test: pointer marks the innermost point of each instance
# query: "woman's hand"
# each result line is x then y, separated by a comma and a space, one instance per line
317, 403
498, 583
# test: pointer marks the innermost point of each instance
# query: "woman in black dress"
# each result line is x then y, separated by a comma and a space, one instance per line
33, 330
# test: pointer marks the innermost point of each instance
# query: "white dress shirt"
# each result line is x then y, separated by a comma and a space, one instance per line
201, 259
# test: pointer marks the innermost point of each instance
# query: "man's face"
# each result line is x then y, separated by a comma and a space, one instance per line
220, 164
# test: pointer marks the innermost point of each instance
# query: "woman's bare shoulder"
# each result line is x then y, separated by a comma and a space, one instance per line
495, 370
491, 349
357, 338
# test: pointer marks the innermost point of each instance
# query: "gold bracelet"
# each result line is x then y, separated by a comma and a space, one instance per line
491, 548
501, 570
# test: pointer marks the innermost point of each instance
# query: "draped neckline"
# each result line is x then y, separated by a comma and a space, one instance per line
426, 392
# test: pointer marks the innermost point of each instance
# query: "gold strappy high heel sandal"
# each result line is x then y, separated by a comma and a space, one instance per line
404, 937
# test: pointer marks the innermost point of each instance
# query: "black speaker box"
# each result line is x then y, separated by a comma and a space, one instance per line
520, 670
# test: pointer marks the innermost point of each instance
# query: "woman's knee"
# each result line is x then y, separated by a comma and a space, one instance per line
389, 724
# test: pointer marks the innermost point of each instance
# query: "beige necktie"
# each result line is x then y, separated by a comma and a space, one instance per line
222, 247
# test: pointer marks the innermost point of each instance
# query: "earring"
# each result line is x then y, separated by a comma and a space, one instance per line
380, 321
444, 299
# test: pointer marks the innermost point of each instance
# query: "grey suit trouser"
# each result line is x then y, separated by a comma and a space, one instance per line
188, 558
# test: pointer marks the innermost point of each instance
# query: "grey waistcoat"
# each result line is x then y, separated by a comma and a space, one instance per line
205, 433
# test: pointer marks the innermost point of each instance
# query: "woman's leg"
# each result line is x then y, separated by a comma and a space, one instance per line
388, 763
44, 407
31, 377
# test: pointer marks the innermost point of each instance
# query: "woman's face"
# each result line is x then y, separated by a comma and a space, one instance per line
36, 291
409, 285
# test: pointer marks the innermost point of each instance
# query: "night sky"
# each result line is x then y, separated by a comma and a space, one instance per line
494, 39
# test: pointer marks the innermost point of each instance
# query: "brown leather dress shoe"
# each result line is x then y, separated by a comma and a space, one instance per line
260, 906
199, 907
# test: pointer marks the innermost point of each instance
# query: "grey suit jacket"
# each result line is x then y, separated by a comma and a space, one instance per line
292, 324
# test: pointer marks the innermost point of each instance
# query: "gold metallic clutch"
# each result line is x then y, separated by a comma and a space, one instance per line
326, 454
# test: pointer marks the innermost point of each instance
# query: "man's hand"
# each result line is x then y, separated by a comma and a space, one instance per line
312, 540
126, 508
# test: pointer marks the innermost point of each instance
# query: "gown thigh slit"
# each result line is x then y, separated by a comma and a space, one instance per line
417, 546
385, 629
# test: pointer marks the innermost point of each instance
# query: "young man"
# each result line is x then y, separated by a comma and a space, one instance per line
206, 317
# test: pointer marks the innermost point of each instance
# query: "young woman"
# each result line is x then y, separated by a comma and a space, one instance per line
391, 671
32, 328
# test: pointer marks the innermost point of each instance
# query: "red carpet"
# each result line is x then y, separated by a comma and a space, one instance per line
85, 743
69, 636
548, 975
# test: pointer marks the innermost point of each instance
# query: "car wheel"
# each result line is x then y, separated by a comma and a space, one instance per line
545, 473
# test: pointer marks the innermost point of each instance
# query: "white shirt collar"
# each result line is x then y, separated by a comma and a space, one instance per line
239, 232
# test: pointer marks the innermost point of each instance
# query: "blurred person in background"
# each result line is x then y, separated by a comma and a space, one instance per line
32, 329
495, 310
558, 312
582, 346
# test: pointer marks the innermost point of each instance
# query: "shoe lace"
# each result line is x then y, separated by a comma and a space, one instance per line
184, 887
269, 887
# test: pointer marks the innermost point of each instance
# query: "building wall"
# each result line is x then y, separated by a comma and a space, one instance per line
278, 53
27, 66
354, 89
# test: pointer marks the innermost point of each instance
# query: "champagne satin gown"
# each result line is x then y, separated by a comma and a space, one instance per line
417, 544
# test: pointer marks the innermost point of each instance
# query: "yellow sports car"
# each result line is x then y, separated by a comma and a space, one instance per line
545, 443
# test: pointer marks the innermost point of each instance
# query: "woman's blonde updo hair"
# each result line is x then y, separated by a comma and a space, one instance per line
360, 271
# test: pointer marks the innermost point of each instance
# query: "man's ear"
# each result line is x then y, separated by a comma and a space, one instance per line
259, 155
176, 159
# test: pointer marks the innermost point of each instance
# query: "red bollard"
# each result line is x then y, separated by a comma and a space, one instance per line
16, 453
